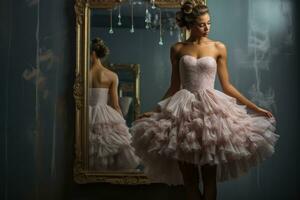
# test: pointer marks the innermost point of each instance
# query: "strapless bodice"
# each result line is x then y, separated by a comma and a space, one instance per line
98, 96
197, 73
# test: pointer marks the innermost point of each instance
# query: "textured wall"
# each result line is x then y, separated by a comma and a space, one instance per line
37, 109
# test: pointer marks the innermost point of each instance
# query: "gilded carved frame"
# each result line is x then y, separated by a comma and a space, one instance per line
80, 171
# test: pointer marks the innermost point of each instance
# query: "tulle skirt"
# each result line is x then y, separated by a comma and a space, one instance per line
109, 140
202, 127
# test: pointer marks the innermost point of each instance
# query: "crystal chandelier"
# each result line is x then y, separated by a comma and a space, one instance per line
154, 18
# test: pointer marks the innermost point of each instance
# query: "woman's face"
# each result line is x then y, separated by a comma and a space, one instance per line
201, 27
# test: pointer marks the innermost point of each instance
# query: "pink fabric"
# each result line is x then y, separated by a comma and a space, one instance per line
109, 138
201, 125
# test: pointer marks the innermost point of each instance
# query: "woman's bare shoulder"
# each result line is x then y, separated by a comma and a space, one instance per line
113, 75
219, 45
107, 73
177, 46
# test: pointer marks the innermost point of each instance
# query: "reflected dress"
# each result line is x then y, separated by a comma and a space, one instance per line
201, 125
109, 138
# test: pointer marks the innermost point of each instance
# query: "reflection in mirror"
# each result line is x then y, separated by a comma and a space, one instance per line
138, 35
129, 88
109, 138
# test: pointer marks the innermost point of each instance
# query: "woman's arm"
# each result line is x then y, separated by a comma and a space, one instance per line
227, 87
114, 97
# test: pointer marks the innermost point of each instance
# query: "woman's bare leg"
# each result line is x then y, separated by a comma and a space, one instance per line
209, 173
191, 180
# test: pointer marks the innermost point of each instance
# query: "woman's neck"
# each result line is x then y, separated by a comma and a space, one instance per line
197, 39
97, 64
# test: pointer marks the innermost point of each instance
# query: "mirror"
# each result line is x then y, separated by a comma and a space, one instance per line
129, 90
114, 83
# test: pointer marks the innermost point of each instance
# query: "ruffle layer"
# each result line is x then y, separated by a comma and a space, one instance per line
203, 127
109, 140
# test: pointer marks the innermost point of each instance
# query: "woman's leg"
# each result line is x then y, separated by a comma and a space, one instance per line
191, 180
209, 173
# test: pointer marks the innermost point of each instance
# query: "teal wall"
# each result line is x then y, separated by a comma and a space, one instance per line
37, 108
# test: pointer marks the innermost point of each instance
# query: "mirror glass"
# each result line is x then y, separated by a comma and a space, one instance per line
129, 71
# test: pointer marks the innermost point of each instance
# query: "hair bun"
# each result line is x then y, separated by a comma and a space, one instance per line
99, 47
187, 7
189, 11
97, 41
193, 2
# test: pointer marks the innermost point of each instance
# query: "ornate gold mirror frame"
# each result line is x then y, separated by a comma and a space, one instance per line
80, 92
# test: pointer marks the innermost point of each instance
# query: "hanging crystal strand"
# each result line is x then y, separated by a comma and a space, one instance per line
119, 16
179, 35
160, 30
132, 26
171, 24
155, 20
153, 4
171, 31
147, 17
111, 31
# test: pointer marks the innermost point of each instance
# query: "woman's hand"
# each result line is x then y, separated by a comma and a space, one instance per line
146, 114
149, 113
264, 112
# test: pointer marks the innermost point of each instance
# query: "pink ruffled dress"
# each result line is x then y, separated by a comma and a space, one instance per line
109, 138
201, 125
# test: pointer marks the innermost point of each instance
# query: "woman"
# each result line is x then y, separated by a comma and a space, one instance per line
109, 139
198, 134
